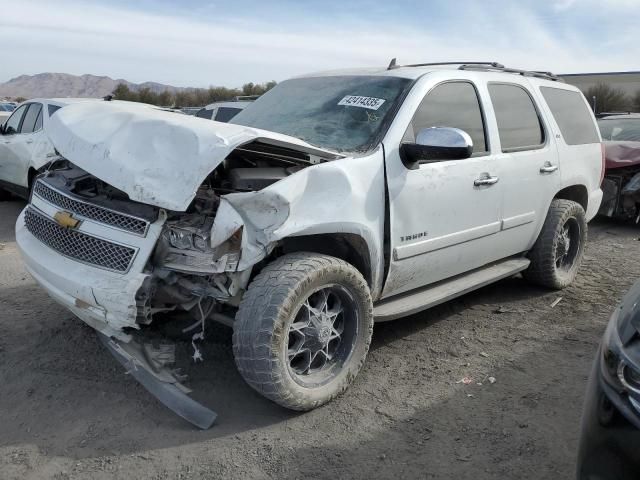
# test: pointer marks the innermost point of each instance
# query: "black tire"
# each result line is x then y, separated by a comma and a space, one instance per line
554, 264
263, 330
5, 195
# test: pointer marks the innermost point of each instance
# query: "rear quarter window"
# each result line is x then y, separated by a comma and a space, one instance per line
572, 115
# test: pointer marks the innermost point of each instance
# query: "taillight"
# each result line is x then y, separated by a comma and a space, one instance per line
604, 162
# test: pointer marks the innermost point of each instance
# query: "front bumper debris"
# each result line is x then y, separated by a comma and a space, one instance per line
161, 382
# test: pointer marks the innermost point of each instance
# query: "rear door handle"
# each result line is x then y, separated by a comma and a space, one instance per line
486, 179
28, 141
548, 168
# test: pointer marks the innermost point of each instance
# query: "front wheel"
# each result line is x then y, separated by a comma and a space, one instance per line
4, 195
557, 253
303, 329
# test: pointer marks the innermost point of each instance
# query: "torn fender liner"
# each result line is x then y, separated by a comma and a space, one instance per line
163, 385
155, 157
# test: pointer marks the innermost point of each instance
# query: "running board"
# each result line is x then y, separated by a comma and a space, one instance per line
416, 301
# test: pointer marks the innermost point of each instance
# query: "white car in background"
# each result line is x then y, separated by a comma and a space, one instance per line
5, 111
223, 111
24, 146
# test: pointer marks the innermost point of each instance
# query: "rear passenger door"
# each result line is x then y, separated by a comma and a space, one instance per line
529, 167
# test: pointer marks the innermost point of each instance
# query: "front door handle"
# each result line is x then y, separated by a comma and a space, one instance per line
30, 141
548, 168
485, 179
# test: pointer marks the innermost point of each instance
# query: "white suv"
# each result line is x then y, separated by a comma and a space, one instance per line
335, 201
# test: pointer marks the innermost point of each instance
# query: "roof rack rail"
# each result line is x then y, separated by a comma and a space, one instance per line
487, 66
394, 64
502, 68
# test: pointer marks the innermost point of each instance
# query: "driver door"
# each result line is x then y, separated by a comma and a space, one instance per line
443, 218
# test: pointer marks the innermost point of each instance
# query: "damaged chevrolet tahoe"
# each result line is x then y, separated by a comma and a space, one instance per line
334, 201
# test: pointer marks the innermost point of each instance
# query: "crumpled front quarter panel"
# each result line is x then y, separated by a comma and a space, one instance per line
342, 196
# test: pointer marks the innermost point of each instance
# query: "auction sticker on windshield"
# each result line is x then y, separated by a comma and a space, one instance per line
371, 103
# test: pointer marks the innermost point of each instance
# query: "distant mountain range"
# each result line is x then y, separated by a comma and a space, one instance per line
49, 85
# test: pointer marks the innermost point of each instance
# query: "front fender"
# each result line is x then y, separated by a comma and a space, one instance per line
342, 196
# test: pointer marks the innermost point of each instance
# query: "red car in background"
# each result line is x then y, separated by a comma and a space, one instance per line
621, 183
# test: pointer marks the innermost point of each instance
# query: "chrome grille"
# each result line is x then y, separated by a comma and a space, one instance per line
90, 211
80, 246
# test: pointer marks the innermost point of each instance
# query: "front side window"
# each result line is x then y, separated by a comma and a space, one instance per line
519, 125
343, 113
12, 125
31, 117
453, 104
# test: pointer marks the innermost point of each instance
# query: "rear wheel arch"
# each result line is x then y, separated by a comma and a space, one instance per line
575, 193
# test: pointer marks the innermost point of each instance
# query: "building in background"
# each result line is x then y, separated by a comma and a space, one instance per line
627, 83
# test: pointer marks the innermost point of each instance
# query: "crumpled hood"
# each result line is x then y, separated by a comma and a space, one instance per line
621, 154
154, 156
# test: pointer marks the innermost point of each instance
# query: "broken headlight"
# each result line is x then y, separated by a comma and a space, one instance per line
186, 246
188, 239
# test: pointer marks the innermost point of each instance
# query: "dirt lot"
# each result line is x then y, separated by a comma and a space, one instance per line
68, 411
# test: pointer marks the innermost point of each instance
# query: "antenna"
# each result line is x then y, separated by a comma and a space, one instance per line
392, 64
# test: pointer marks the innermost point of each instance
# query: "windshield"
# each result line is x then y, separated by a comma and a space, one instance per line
342, 113
620, 129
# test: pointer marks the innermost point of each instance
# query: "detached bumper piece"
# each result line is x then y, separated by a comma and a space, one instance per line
159, 381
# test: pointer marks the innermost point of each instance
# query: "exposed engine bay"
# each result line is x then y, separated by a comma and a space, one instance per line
621, 194
191, 268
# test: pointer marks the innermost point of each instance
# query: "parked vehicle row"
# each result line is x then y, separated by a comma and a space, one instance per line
5, 111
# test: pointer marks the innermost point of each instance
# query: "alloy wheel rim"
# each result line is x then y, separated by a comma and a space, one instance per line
568, 245
322, 335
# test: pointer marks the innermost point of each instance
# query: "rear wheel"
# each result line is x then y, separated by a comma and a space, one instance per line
557, 253
303, 329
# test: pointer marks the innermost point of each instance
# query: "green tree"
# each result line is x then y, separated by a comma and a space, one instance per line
20, 99
145, 95
636, 102
248, 88
165, 99
123, 92
607, 98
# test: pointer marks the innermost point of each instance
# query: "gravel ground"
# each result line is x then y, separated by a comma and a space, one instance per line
67, 410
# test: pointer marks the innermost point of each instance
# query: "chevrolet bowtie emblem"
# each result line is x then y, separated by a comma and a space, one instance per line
66, 220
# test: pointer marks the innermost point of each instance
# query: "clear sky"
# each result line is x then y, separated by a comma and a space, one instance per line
227, 42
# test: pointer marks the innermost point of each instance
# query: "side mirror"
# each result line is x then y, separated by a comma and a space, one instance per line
435, 145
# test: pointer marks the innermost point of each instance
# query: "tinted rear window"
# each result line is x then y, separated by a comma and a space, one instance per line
204, 113
572, 115
518, 122
226, 113
53, 109
620, 129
